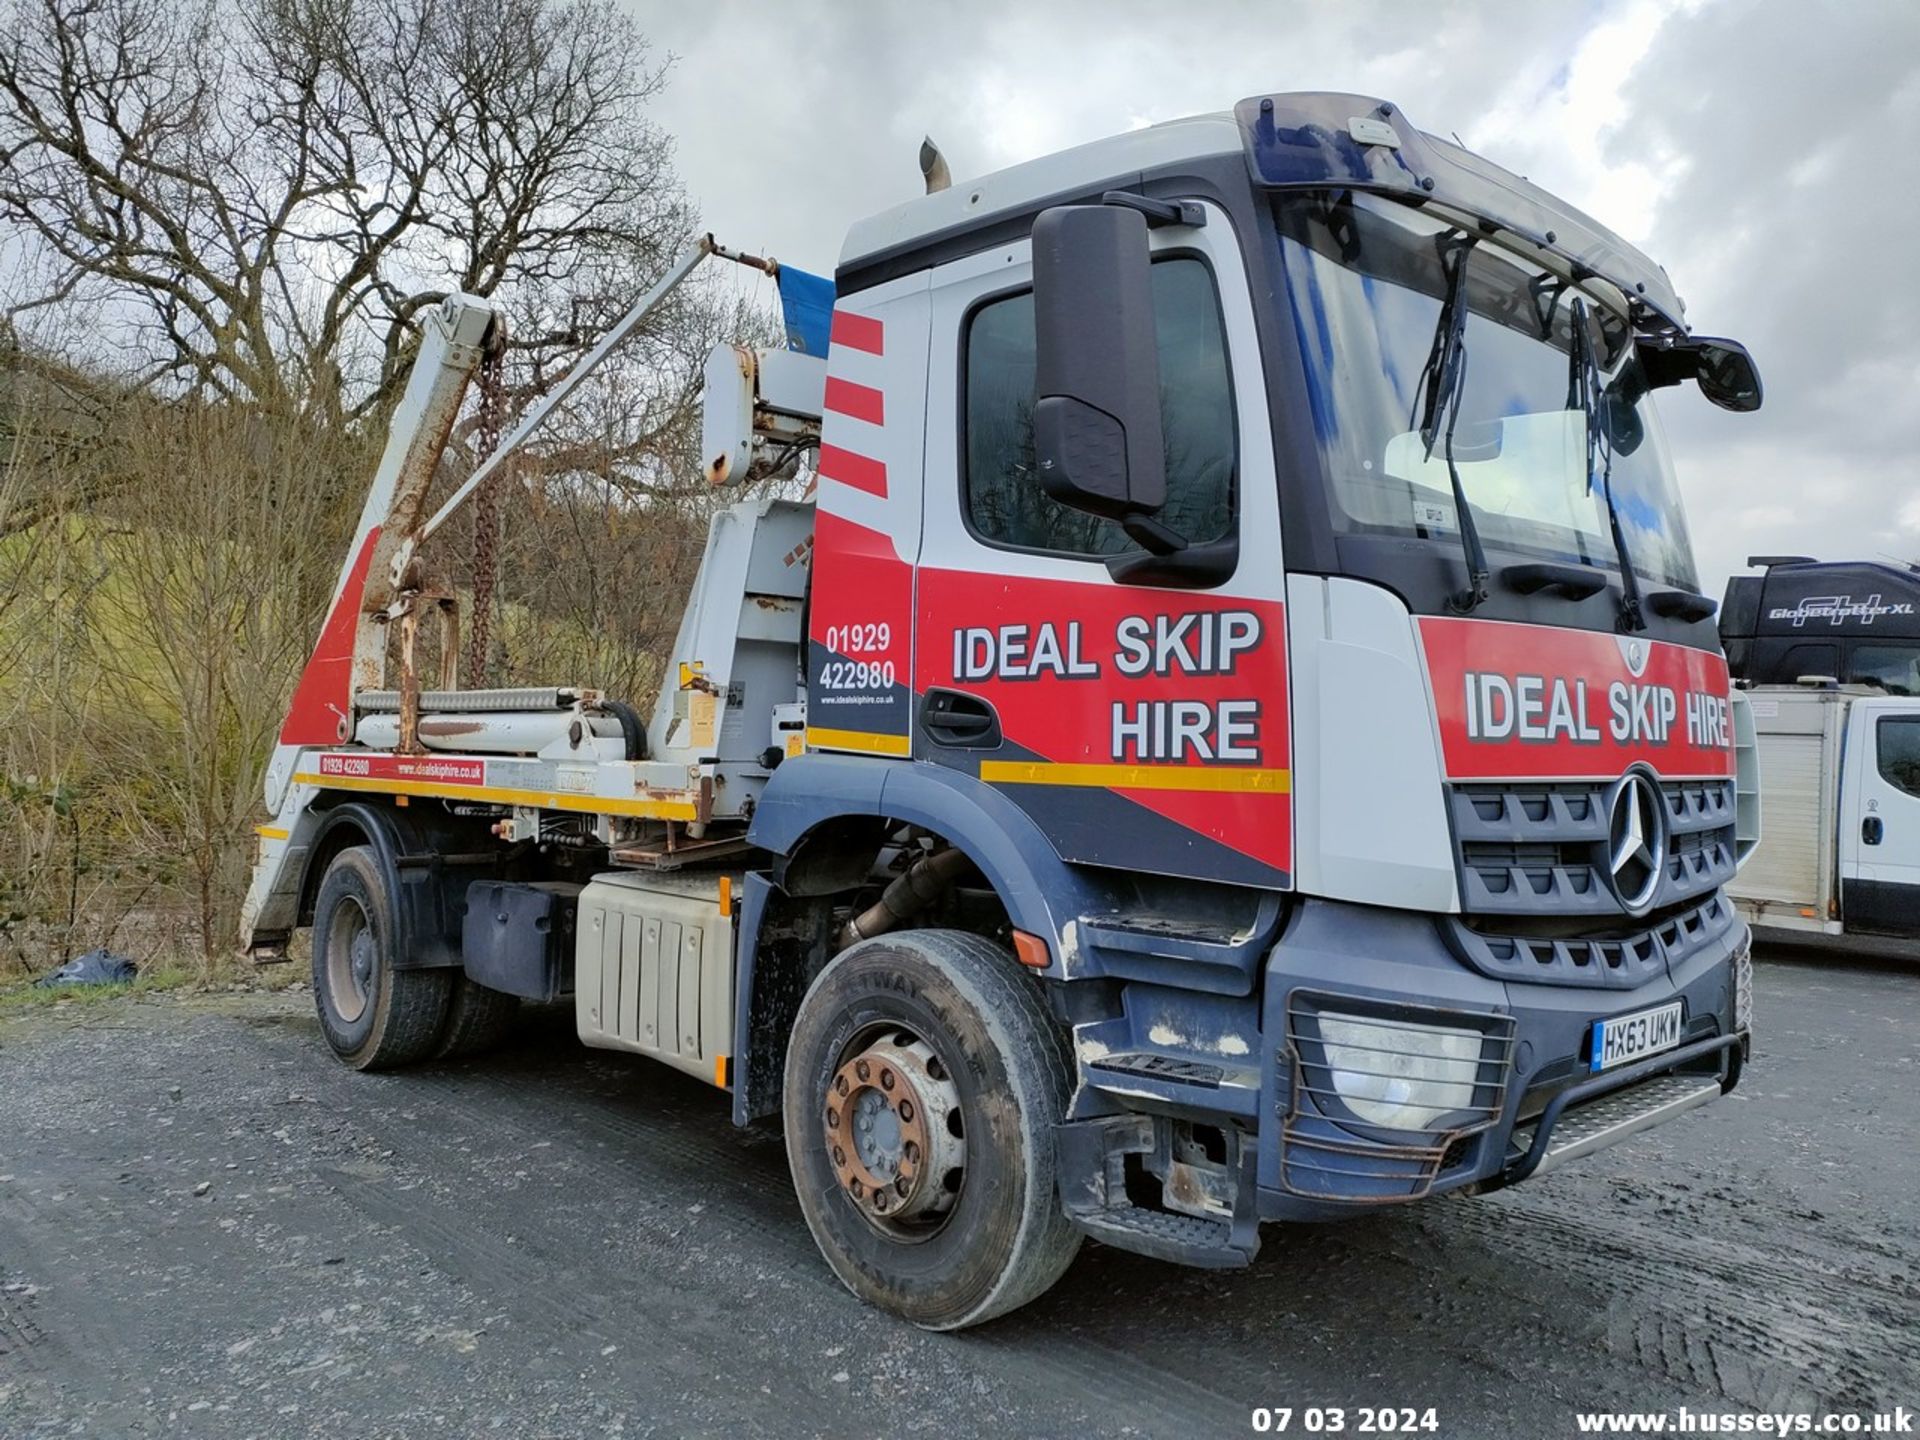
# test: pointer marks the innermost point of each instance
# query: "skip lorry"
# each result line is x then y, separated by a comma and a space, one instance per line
1230, 735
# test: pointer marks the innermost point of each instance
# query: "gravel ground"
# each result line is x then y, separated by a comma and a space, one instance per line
208, 1228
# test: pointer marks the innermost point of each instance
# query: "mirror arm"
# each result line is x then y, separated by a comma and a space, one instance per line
1158, 212
1150, 535
1196, 567
1668, 358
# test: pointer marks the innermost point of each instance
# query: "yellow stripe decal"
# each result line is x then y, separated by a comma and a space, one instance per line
496, 795
1138, 777
271, 832
857, 740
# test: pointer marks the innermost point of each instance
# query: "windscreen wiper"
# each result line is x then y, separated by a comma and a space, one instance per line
1583, 394
1442, 382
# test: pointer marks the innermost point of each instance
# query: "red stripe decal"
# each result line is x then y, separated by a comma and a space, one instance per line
855, 470
862, 402
857, 332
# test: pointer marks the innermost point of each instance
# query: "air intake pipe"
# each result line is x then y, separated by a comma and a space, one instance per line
922, 883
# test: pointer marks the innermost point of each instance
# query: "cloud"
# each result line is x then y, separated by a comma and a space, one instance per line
1761, 150
795, 119
1793, 232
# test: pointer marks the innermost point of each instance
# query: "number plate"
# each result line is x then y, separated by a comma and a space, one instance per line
1632, 1037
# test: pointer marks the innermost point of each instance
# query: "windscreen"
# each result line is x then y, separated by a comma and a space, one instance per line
1367, 278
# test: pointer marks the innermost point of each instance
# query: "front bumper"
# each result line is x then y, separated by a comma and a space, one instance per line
1373, 957
1619, 1104
1292, 1154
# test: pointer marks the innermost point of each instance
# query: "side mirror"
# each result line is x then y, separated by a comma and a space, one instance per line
1096, 419
1727, 375
1724, 370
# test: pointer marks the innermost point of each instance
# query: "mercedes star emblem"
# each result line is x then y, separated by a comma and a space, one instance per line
1636, 840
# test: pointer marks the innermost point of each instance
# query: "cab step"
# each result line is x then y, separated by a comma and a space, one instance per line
1092, 1156
1183, 1239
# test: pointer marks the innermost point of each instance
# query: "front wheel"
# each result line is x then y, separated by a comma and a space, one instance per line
373, 1013
923, 1082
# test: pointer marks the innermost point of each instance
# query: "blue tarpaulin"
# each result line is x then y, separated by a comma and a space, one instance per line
806, 302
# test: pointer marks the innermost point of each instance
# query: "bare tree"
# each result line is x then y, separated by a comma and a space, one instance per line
260, 197
234, 214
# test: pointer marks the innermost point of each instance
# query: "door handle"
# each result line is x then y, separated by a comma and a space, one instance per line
1871, 830
959, 721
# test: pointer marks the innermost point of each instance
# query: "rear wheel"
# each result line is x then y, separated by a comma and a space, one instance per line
374, 1014
923, 1082
477, 1020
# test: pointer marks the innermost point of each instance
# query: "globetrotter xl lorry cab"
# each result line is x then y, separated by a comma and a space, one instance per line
1229, 733
1828, 657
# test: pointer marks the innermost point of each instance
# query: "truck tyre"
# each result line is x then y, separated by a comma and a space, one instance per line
477, 1020
924, 1078
373, 1014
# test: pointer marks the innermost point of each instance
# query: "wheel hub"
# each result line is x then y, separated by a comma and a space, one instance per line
362, 962
893, 1132
352, 955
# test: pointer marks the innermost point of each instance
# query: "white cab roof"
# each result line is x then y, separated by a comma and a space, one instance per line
1021, 187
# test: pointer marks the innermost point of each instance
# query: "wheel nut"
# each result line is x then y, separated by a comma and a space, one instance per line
906, 1111
901, 1185
833, 1117
840, 1086
879, 1199
886, 1079
910, 1152
839, 1156
856, 1188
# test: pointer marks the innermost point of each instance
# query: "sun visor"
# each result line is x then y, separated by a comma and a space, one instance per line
1323, 140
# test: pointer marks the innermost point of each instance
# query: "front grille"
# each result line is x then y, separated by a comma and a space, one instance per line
1541, 849
1619, 961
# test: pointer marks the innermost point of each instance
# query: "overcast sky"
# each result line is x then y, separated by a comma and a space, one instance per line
1767, 152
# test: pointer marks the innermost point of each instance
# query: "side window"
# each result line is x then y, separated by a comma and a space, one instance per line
1897, 739
1808, 660
1894, 668
1001, 490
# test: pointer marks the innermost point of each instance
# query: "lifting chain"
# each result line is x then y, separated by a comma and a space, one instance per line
486, 504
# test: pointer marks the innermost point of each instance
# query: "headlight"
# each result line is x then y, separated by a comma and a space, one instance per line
1400, 1076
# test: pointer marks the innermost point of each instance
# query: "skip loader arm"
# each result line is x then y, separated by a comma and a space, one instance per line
379, 580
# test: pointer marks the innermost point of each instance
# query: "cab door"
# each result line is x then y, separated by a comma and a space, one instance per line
1142, 722
1880, 819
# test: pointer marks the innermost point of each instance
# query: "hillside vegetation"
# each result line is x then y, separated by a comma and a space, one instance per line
231, 216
